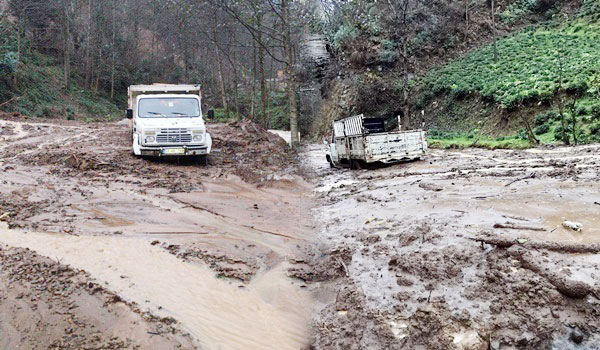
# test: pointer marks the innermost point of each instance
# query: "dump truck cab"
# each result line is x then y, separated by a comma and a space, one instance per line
167, 120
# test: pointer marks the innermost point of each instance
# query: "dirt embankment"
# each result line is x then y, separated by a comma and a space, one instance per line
403, 248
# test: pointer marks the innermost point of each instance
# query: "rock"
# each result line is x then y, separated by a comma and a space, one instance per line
495, 345
430, 187
575, 226
576, 336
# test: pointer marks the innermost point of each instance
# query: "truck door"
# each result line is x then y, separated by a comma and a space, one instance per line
333, 151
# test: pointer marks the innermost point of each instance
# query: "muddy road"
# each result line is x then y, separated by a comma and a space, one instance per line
207, 247
464, 249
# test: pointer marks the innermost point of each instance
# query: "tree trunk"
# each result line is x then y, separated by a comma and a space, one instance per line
221, 82
88, 47
15, 78
466, 20
261, 73
99, 70
113, 49
235, 87
253, 98
67, 44
406, 108
290, 79
494, 33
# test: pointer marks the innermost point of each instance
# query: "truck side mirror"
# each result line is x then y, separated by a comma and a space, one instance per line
210, 114
129, 113
325, 142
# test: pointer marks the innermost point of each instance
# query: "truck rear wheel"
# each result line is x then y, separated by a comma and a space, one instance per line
356, 164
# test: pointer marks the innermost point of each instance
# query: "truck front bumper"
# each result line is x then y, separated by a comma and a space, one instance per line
167, 151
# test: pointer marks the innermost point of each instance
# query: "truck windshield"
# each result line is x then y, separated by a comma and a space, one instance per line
168, 107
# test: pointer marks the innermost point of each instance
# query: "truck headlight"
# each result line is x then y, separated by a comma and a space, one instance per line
150, 139
197, 138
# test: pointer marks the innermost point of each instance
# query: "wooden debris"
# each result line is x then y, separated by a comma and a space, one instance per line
572, 248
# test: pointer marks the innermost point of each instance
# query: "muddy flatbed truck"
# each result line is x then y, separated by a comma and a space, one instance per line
358, 141
167, 120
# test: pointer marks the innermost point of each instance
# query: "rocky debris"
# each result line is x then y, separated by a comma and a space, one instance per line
249, 150
329, 265
223, 264
427, 269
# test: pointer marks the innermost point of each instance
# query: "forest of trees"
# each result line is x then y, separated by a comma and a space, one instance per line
239, 50
247, 53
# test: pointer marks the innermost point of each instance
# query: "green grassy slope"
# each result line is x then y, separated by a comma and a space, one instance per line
530, 75
528, 66
38, 91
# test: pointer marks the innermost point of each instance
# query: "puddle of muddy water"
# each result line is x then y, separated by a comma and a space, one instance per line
270, 312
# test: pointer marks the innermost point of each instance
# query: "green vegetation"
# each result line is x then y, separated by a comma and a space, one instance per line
34, 83
518, 9
581, 120
528, 66
447, 140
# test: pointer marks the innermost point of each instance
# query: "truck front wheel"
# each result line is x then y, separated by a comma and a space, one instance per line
203, 159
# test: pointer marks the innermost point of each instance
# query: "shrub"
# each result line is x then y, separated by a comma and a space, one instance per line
8, 63
595, 129
541, 129
344, 35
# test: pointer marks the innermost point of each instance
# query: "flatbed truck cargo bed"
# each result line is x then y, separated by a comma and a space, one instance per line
358, 141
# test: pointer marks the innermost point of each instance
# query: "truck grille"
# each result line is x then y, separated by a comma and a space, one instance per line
174, 135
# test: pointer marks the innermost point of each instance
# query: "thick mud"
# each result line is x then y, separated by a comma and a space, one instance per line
209, 247
412, 271
464, 249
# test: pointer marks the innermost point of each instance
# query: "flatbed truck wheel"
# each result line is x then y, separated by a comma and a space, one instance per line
356, 164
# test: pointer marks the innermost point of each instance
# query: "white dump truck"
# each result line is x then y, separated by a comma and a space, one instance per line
167, 120
358, 141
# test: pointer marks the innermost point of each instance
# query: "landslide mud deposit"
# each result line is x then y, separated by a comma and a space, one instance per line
208, 249
464, 249
461, 250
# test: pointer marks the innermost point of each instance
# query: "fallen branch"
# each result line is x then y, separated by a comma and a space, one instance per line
344, 266
9, 101
530, 176
515, 227
572, 248
568, 287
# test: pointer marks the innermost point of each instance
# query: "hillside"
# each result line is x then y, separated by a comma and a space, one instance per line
467, 94
537, 73
32, 84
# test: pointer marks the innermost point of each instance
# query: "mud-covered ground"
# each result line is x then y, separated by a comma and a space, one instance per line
46, 305
403, 247
464, 249
209, 247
